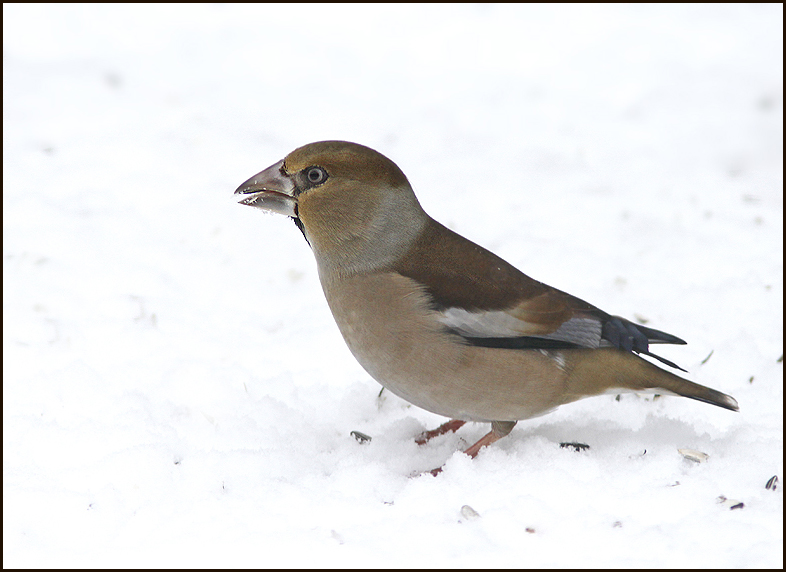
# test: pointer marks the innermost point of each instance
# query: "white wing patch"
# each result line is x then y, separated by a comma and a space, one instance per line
585, 332
483, 324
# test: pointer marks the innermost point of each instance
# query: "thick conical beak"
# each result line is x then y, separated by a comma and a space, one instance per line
271, 190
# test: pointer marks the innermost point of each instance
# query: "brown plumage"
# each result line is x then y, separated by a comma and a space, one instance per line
437, 319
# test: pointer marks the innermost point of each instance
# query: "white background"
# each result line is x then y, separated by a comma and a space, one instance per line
175, 392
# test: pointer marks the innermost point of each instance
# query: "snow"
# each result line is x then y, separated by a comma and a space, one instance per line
175, 392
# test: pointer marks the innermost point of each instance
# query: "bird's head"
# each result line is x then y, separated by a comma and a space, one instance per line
355, 207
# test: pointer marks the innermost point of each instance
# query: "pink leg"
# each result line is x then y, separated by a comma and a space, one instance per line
487, 439
448, 427
498, 430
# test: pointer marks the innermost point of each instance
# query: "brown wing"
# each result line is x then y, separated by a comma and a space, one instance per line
491, 303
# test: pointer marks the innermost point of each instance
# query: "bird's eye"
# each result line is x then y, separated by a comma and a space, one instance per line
316, 175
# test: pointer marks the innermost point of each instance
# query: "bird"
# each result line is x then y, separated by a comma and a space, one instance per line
442, 322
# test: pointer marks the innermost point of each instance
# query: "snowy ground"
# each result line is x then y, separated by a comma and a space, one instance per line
175, 392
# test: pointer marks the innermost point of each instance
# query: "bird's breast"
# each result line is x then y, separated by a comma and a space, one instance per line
389, 327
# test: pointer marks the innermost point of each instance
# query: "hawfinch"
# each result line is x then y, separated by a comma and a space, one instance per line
440, 321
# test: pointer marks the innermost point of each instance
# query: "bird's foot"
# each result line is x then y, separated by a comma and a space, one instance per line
448, 427
498, 430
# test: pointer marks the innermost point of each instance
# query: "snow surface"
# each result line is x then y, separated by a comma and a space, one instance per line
175, 392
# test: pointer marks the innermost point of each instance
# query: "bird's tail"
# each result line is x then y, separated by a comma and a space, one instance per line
603, 370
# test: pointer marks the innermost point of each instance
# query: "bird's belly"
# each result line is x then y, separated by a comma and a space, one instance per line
386, 322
